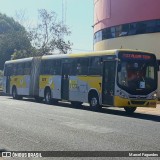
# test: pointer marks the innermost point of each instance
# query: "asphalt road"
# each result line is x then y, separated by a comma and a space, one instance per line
29, 126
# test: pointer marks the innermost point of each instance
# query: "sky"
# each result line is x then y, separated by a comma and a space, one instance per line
79, 17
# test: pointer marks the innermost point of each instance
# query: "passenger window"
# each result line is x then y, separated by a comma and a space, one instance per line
20, 68
56, 67
95, 67
8, 71
14, 69
82, 66
27, 68
74, 69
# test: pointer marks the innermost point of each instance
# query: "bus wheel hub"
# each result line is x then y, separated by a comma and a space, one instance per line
93, 101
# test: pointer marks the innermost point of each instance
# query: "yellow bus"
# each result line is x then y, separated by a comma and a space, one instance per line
120, 78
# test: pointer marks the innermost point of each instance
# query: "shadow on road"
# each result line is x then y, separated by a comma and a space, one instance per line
108, 110
3, 150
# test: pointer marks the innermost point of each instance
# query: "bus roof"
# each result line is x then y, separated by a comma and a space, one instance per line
74, 55
85, 54
94, 53
19, 60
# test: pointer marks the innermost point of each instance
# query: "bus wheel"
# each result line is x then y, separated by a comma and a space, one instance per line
48, 99
14, 93
94, 102
38, 99
130, 110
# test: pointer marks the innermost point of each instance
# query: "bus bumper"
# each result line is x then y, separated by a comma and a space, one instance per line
123, 102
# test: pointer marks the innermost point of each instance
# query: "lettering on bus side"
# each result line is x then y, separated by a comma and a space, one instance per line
15, 79
44, 79
73, 84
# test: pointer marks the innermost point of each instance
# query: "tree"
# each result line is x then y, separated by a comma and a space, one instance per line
49, 34
13, 36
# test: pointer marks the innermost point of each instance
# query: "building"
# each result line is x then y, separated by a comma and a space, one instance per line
133, 24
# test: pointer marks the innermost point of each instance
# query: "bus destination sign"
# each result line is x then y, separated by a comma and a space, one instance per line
136, 56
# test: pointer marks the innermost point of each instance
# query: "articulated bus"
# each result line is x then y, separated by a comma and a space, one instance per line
120, 78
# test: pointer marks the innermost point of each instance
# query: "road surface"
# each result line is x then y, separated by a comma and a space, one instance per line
29, 126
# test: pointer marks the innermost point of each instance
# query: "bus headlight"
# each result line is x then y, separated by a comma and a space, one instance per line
123, 95
154, 96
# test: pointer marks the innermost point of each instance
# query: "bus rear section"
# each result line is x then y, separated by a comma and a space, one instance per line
21, 77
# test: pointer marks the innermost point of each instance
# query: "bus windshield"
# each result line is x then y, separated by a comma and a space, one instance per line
137, 74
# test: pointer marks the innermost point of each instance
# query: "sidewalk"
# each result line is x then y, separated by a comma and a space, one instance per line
151, 111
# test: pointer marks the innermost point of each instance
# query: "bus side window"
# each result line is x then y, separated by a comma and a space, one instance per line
79, 68
82, 66
27, 68
150, 72
56, 67
15, 67
74, 65
20, 70
95, 67
42, 68
8, 70
49, 67
46, 67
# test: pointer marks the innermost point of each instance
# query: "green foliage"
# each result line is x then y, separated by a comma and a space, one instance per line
50, 35
30, 52
12, 37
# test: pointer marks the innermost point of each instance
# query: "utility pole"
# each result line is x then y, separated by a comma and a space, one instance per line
64, 11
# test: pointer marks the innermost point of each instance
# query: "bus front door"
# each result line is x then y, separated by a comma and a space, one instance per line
108, 83
65, 81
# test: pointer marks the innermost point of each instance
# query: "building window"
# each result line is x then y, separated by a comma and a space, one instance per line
135, 28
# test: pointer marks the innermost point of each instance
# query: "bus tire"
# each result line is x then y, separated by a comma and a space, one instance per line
94, 102
19, 97
14, 93
38, 99
47, 96
130, 110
